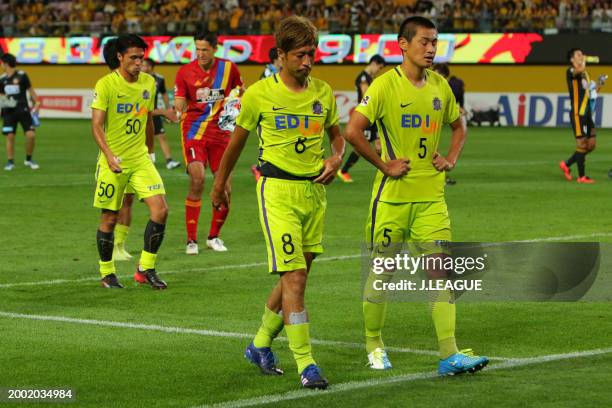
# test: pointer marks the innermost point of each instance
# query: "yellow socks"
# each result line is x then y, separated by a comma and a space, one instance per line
299, 343
271, 325
147, 260
374, 319
443, 313
106, 268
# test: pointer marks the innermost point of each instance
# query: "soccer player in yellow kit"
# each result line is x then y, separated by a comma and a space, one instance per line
291, 112
409, 104
122, 124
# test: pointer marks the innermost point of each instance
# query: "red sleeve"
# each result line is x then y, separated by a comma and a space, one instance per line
180, 87
235, 78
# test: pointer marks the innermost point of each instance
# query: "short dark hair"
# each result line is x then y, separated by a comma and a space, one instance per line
409, 27
150, 62
295, 32
273, 54
110, 54
442, 69
570, 53
377, 59
126, 41
210, 38
9, 59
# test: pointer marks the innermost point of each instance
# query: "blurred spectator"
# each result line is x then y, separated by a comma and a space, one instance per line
236, 15
64, 17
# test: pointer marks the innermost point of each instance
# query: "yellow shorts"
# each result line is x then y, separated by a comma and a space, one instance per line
291, 213
142, 179
425, 226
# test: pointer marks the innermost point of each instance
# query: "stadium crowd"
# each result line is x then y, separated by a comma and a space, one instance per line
173, 17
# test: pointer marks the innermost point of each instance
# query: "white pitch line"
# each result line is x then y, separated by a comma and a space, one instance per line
89, 181
210, 268
258, 264
202, 332
240, 175
356, 385
569, 237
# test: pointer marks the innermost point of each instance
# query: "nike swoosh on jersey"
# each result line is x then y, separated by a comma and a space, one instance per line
403, 105
274, 108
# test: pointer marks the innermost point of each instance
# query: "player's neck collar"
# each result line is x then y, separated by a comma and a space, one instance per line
209, 68
284, 85
424, 78
120, 75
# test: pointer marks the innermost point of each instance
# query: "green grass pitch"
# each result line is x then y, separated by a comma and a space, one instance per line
183, 347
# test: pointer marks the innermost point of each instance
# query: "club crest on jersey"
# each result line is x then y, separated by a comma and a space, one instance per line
16, 81
437, 104
146, 94
317, 108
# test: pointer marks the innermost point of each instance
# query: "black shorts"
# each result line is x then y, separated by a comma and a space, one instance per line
12, 118
582, 126
371, 133
158, 124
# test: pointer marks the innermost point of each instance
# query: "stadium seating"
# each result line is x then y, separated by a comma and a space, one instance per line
174, 17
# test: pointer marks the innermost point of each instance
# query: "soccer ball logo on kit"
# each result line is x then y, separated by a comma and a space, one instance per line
202, 94
208, 95
146, 95
437, 104
317, 108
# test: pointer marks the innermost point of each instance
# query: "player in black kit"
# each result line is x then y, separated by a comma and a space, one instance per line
14, 88
581, 117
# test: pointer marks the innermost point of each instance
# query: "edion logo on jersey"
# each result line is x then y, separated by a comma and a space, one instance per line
131, 107
417, 121
308, 126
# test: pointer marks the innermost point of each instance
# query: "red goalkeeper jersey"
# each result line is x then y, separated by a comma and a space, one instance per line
204, 92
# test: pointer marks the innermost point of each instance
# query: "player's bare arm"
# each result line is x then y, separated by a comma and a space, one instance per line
354, 135
97, 127
241, 91
238, 139
601, 82
166, 111
166, 100
364, 87
150, 135
180, 105
442, 163
333, 162
35, 99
